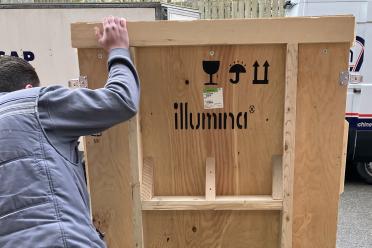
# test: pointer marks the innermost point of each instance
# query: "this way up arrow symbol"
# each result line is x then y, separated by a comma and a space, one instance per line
266, 73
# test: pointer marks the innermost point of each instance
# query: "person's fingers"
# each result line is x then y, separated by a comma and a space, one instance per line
97, 32
110, 19
105, 22
123, 22
116, 20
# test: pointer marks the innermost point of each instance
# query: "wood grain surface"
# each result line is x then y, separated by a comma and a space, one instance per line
243, 156
217, 229
289, 144
108, 167
320, 117
234, 32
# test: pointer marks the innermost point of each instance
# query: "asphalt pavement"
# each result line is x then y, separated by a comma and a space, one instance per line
355, 216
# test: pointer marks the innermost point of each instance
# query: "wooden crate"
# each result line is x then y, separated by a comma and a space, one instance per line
262, 171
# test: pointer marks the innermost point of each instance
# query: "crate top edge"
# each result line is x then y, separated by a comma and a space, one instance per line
325, 29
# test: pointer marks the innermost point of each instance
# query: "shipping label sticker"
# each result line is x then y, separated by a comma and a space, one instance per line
213, 98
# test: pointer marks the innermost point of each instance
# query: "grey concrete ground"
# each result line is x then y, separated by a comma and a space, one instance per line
355, 216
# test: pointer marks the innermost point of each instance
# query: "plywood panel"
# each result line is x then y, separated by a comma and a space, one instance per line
217, 229
243, 156
319, 143
108, 165
175, 75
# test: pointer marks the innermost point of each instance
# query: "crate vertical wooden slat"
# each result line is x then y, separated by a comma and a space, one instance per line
344, 155
289, 143
108, 176
276, 178
136, 161
136, 164
210, 179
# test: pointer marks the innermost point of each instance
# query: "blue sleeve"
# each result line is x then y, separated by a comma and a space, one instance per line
79, 112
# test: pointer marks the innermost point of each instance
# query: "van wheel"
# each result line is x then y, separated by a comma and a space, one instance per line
365, 171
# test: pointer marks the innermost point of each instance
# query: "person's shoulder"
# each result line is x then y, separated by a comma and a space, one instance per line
20, 94
51, 88
48, 93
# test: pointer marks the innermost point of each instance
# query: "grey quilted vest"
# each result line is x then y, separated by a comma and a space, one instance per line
43, 197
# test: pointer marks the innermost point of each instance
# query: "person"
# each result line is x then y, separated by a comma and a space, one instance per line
43, 195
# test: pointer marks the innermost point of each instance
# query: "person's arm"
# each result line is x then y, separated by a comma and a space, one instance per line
81, 112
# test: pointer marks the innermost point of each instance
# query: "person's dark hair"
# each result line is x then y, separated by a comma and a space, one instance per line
16, 73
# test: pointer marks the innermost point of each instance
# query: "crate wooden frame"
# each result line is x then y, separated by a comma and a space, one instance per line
318, 30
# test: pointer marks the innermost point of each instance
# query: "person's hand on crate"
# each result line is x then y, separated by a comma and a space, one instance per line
114, 33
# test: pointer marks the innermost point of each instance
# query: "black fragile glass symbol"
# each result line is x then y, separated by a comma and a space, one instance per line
212, 66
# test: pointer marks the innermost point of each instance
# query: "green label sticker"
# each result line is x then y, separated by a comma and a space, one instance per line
210, 90
213, 98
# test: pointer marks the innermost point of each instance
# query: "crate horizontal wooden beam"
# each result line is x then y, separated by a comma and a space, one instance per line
220, 203
240, 31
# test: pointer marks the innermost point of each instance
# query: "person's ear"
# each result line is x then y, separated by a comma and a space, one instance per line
28, 86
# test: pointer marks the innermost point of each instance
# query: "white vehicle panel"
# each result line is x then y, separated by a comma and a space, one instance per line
45, 33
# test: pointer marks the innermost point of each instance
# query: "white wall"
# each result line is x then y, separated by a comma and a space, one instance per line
46, 33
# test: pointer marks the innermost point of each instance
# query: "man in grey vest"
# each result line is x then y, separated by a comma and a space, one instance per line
43, 195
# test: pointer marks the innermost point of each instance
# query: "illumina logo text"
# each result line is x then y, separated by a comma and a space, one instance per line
183, 119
